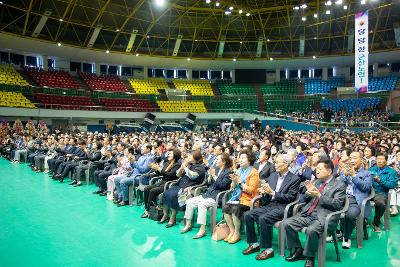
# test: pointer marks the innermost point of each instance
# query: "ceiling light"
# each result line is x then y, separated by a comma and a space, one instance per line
268, 40
195, 40
303, 18
1, 2
208, 1
107, 51
58, 44
328, 12
234, 59
240, 11
296, 8
61, 20
315, 38
148, 36
137, 55
160, 2
303, 6
231, 8
328, 3
271, 59
188, 59
117, 30
345, 7
339, 2
315, 15
247, 14
228, 12
314, 57
217, 4
363, 2
241, 42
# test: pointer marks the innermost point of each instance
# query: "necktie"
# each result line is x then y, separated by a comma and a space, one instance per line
315, 202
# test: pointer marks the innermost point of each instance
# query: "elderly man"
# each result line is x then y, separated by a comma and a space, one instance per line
327, 194
141, 166
359, 183
280, 189
293, 167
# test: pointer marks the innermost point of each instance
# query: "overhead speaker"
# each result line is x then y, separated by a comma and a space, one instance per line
150, 118
190, 118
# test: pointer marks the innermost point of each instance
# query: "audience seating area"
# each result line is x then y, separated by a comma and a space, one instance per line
222, 105
100, 94
66, 102
182, 106
382, 83
198, 87
139, 105
149, 86
319, 86
103, 82
350, 105
68, 92
288, 106
8, 75
52, 78
14, 99
236, 89
288, 87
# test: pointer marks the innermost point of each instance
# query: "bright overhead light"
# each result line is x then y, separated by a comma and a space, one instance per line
314, 57
271, 59
117, 30
208, 1
268, 40
107, 51
148, 36
315, 38
217, 4
363, 2
1, 2
231, 8
247, 14
228, 12
58, 44
328, 3
137, 55
328, 12
195, 40
61, 20
339, 2
315, 15
303, 6
234, 59
303, 18
188, 59
241, 42
345, 7
240, 11
160, 2
296, 8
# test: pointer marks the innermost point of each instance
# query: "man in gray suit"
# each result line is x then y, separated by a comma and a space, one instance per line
324, 196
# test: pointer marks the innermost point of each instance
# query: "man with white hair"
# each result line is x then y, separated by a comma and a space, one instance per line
293, 166
280, 189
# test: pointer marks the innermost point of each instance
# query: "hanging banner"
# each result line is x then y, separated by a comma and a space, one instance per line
361, 52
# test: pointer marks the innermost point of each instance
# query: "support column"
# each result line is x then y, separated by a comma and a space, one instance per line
190, 75
45, 62
324, 73
233, 76
97, 65
277, 75
375, 70
145, 72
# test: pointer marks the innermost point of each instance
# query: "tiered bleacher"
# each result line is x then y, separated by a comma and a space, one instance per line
319, 86
236, 89
286, 87
55, 101
288, 106
196, 88
350, 105
102, 94
182, 106
14, 99
52, 78
149, 86
103, 82
229, 105
8, 75
131, 104
387, 83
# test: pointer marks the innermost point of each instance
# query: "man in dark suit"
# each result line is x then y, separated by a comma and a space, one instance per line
265, 168
279, 190
326, 195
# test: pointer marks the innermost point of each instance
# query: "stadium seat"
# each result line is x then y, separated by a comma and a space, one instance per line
149, 86
103, 82
52, 78
14, 99
350, 105
182, 106
135, 105
319, 86
198, 87
236, 89
66, 102
287, 87
8, 75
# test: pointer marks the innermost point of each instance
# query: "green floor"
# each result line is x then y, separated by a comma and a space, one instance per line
46, 223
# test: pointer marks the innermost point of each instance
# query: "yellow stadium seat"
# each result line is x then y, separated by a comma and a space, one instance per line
182, 106
149, 86
197, 88
14, 99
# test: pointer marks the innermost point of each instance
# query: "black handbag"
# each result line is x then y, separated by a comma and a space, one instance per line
155, 213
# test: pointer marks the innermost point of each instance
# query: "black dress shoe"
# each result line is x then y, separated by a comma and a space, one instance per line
73, 182
296, 255
97, 192
162, 221
169, 225
61, 179
309, 262
250, 249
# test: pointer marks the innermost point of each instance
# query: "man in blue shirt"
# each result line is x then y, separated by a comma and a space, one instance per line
385, 178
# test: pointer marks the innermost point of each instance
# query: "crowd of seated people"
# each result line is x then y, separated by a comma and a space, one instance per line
259, 175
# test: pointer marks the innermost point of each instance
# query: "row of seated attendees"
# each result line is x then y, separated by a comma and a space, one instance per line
66, 102
148, 86
350, 105
196, 87
181, 106
8, 75
14, 99
312, 183
131, 104
319, 86
52, 78
103, 82
350, 119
